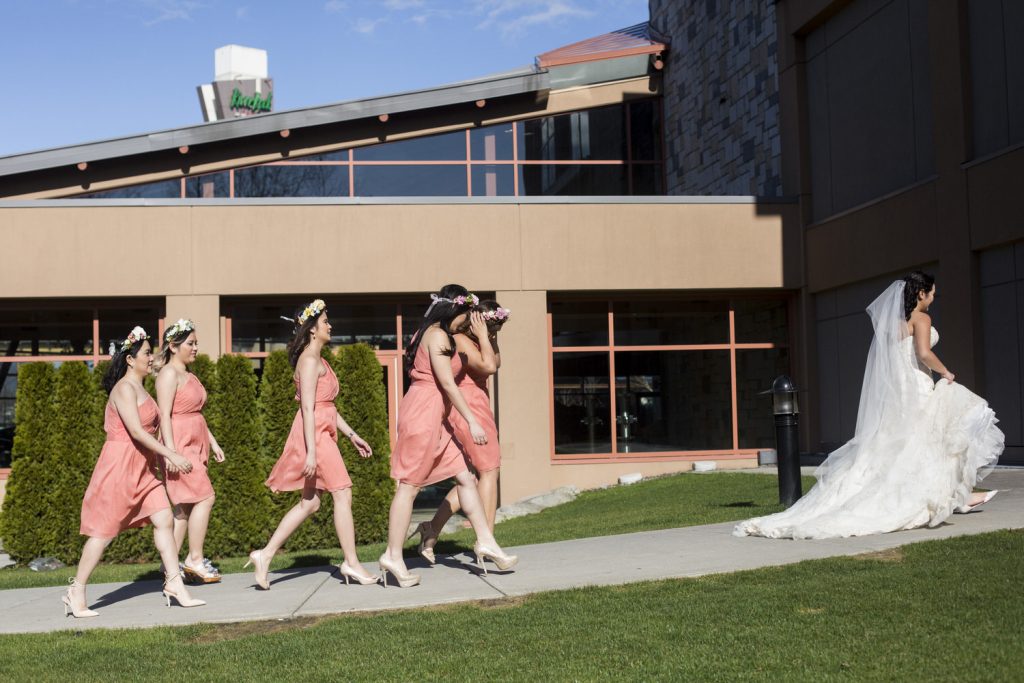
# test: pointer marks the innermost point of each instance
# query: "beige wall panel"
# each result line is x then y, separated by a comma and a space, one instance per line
523, 396
993, 189
95, 251
652, 246
204, 311
395, 248
889, 235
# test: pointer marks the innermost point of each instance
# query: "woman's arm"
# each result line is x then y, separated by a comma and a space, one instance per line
361, 446
921, 325
218, 452
441, 365
166, 389
480, 357
309, 372
126, 403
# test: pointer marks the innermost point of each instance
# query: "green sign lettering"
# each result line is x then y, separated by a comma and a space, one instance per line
254, 103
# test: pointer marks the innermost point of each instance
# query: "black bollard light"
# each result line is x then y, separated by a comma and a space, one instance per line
787, 442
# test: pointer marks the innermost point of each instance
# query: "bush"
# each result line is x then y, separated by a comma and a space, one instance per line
205, 371
77, 444
241, 517
24, 523
363, 404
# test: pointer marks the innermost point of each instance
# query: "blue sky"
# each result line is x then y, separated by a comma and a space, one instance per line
82, 70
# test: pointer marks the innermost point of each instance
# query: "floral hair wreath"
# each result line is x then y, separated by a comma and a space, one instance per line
182, 325
137, 334
497, 315
460, 300
315, 308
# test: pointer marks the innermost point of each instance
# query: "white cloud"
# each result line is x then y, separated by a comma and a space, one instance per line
171, 10
512, 17
403, 4
367, 26
335, 6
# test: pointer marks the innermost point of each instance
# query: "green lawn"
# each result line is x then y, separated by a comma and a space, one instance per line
675, 501
947, 610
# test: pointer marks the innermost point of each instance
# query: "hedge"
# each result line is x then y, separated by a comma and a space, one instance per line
59, 434
241, 515
77, 444
363, 404
23, 523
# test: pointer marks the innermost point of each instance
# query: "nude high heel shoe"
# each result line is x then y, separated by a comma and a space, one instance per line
69, 608
259, 569
184, 602
495, 555
425, 552
405, 579
964, 509
348, 573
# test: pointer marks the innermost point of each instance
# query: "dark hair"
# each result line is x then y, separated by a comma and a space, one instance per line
443, 312
914, 284
165, 351
119, 364
300, 341
490, 305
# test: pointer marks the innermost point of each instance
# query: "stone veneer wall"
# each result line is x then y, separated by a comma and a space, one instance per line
721, 97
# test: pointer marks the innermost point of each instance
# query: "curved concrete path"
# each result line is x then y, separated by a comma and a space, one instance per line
608, 560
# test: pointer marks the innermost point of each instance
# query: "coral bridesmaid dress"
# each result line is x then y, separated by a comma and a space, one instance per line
123, 491
191, 440
483, 457
421, 456
331, 474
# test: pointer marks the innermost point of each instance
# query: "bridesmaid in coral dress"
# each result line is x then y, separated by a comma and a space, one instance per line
421, 456
181, 397
477, 348
311, 461
124, 491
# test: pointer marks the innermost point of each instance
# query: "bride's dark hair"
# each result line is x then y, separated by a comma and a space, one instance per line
915, 283
443, 312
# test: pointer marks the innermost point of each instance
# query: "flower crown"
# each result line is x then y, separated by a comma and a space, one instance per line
460, 300
137, 334
315, 308
497, 315
182, 325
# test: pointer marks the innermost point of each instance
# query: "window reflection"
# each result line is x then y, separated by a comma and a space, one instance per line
491, 143
493, 180
579, 323
579, 135
581, 403
208, 186
572, 179
673, 401
291, 181
755, 371
445, 147
410, 181
653, 323
164, 189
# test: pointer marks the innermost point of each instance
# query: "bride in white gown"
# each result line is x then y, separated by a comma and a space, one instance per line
918, 448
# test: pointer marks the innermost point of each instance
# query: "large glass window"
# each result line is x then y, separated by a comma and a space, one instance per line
687, 374
612, 150
62, 330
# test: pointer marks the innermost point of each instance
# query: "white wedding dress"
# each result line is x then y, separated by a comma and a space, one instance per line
918, 450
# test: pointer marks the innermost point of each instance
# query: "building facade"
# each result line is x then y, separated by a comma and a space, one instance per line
675, 212
643, 324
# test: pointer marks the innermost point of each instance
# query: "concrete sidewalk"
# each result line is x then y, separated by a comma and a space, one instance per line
609, 560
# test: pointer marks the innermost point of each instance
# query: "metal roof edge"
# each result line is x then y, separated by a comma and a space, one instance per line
528, 79
346, 201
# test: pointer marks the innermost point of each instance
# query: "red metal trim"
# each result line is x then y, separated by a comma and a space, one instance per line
351, 175
469, 169
651, 456
515, 166
5, 472
612, 382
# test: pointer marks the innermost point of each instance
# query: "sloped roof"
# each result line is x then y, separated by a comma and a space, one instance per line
638, 39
